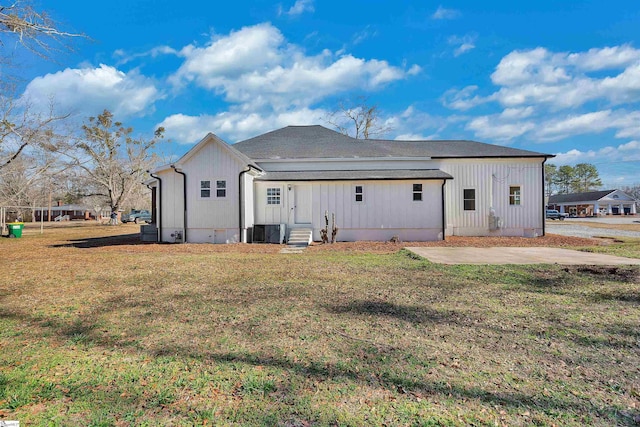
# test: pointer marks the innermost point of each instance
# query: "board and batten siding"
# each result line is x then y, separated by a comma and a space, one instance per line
491, 179
171, 214
387, 208
209, 220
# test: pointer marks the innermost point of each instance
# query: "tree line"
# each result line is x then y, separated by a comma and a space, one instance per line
566, 179
43, 155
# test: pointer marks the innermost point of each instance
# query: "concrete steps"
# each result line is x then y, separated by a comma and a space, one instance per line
300, 237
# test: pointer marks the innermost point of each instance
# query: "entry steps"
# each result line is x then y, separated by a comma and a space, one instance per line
300, 237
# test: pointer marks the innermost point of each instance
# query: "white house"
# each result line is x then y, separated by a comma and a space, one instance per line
286, 180
593, 203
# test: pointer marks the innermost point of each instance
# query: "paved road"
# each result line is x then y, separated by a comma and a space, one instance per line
568, 228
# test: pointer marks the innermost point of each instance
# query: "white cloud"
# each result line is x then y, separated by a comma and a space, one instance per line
123, 57
628, 152
235, 125
462, 99
594, 122
561, 80
496, 128
363, 35
464, 44
443, 13
517, 113
90, 90
565, 93
623, 122
605, 58
301, 6
256, 66
414, 70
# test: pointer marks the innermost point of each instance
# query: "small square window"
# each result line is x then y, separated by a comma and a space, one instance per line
469, 199
417, 192
359, 193
515, 195
205, 189
221, 188
273, 196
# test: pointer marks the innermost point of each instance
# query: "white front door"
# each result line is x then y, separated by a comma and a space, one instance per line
302, 204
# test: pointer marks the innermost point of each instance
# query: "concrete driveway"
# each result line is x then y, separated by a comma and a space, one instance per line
511, 255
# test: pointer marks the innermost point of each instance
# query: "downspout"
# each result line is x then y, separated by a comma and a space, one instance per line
159, 213
444, 222
184, 197
544, 207
240, 202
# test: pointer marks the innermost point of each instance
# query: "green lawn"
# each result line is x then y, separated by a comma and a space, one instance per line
104, 333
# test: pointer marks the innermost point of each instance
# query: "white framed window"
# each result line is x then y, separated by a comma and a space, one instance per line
359, 193
221, 188
417, 192
205, 189
515, 195
469, 199
273, 196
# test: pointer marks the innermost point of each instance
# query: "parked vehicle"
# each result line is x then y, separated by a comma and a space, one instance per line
137, 216
554, 214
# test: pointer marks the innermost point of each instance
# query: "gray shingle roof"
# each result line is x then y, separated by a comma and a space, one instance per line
354, 175
298, 142
579, 197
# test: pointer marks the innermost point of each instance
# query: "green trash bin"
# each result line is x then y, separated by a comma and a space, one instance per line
15, 229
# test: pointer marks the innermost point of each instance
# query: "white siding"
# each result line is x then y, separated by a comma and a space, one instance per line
213, 219
387, 209
172, 209
491, 178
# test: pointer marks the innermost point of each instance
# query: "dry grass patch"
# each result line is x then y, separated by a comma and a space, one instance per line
625, 227
111, 332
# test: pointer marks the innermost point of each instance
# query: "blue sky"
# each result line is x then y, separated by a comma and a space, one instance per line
549, 76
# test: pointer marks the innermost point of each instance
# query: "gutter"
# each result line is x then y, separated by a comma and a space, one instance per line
444, 223
241, 225
159, 212
184, 197
544, 207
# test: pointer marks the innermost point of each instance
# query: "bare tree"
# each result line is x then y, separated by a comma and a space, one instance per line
358, 119
23, 129
33, 29
113, 161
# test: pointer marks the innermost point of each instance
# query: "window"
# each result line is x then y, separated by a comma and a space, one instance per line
205, 189
469, 199
514, 195
273, 196
221, 188
359, 193
417, 192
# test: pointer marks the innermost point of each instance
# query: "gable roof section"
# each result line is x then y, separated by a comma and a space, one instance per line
308, 142
210, 138
589, 196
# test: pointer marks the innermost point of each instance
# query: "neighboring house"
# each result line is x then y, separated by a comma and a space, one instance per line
593, 203
63, 213
377, 189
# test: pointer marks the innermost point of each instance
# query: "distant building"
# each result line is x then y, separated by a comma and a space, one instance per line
594, 203
62, 212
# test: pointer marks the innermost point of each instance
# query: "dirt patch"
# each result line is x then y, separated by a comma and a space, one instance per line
550, 240
622, 274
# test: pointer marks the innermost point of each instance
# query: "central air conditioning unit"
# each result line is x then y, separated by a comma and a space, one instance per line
269, 233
